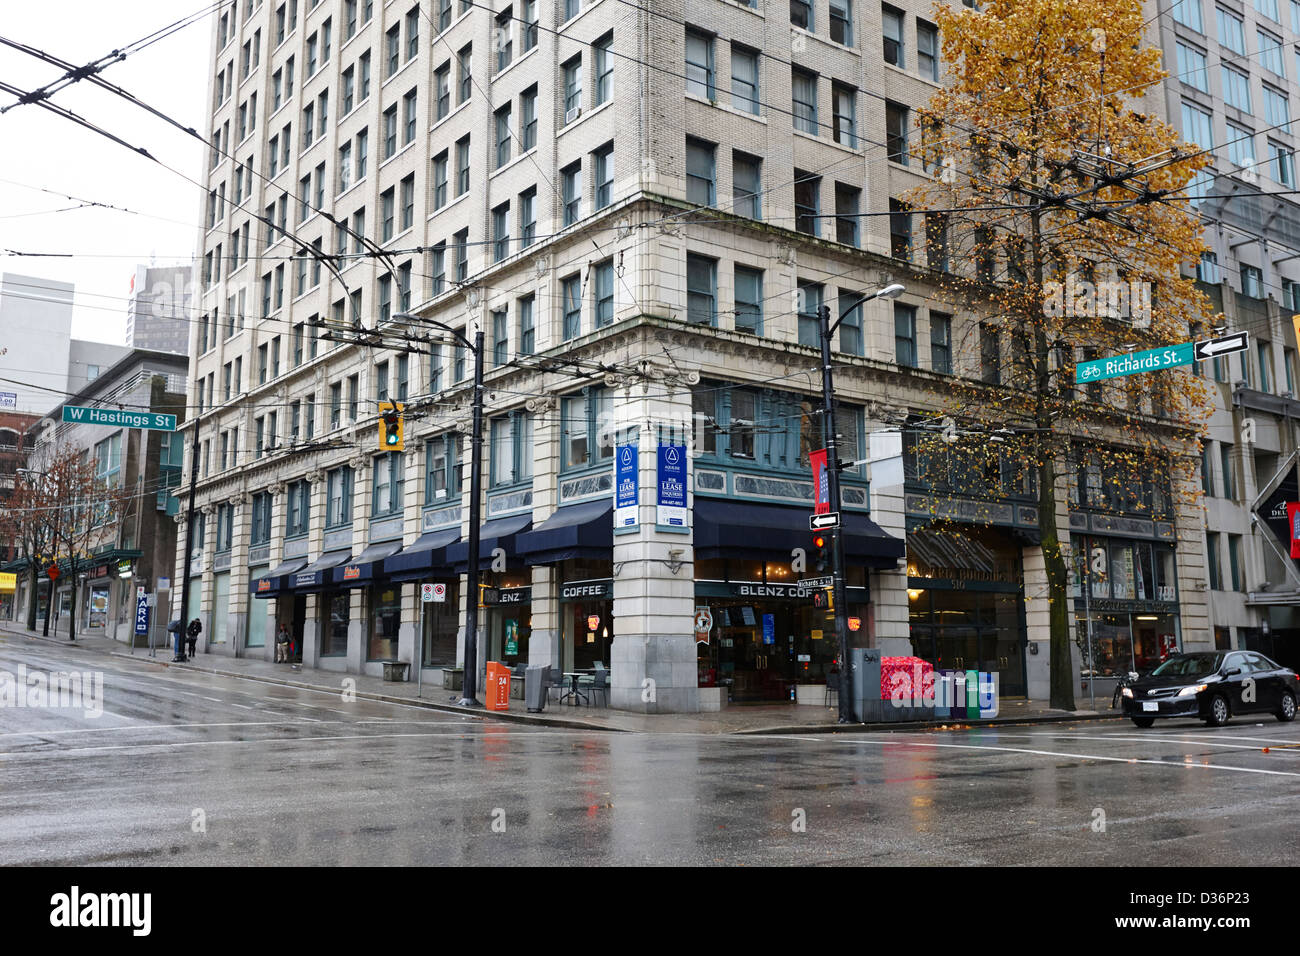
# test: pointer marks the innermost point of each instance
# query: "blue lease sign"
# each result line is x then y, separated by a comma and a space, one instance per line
1134, 363
670, 502
625, 487
155, 421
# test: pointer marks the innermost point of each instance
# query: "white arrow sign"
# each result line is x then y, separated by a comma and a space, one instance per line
822, 522
1225, 345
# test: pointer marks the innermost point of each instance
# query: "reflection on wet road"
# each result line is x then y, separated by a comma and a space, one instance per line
195, 768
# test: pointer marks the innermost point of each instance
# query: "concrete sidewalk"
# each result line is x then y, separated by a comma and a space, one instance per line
779, 718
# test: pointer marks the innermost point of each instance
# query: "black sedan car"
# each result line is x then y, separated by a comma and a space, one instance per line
1213, 685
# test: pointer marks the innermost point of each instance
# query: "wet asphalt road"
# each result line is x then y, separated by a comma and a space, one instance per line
278, 775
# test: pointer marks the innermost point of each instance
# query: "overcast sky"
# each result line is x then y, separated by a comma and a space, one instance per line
40, 149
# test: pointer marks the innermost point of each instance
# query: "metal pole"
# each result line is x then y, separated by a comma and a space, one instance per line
1087, 614
419, 653
189, 532
469, 685
837, 540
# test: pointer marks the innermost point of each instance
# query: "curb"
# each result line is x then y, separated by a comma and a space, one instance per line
568, 724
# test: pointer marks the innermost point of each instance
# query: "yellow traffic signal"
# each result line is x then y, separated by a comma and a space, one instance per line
390, 427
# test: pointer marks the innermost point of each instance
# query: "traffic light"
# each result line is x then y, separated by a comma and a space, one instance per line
390, 427
821, 552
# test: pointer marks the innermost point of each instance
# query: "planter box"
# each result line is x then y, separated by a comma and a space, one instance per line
712, 699
453, 678
395, 671
811, 695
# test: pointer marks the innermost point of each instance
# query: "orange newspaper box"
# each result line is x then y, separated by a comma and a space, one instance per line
498, 687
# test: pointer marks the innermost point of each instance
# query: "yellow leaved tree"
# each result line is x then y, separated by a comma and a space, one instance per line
1060, 229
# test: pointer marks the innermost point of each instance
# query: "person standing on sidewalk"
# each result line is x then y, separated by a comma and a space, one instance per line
177, 630
282, 644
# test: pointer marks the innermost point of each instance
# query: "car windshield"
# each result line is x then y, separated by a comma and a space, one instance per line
1189, 665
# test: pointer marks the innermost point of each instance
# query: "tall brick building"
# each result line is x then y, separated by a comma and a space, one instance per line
641, 207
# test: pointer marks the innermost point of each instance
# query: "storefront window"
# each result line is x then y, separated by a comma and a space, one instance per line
1121, 571
334, 626
98, 616
220, 607
441, 622
257, 613
385, 619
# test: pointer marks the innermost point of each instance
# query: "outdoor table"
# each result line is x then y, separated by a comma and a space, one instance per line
573, 687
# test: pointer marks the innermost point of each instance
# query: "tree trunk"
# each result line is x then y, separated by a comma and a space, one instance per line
1060, 662
72, 605
33, 595
49, 606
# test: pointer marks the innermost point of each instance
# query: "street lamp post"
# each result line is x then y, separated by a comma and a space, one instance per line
469, 683
833, 488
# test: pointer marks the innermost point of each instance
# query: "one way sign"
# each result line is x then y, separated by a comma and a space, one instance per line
1224, 345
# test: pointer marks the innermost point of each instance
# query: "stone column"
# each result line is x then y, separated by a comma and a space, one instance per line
408, 633
545, 644
311, 628
241, 533
359, 610
653, 659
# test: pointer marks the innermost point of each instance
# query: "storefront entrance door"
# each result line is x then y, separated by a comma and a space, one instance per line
971, 630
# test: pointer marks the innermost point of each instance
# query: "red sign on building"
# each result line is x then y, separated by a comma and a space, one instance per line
821, 482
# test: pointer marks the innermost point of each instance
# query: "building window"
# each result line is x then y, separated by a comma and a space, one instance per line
571, 191
526, 341
941, 343
896, 123
604, 288
1282, 161
338, 499
442, 90
749, 300
571, 296
511, 438
803, 92
895, 48
440, 180
1236, 89
504, 39
845, 115
801, 14
604, 69
528, 111
442, 474
1270, 53
604, 173
850, 308
699, 64
1234, 563
810, 303
1191, 67
701, 172
1212, 560
501, 232
500, 338
387, 487
1229, 472
461, 240
527, 217
846, 214
503, 135
746, 185
1264, 353
701, 289
1232, 33
900, 229
905, 334
842, 21
807, 202
927, 50
462, 166
990, 355
1252, 282
408, 117
465, 66
530, 24
572, 89
744, 79
1188, 13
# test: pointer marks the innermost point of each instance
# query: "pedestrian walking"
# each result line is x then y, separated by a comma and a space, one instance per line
192, 632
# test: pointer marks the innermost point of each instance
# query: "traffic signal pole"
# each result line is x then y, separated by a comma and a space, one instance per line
837, 540
827, 329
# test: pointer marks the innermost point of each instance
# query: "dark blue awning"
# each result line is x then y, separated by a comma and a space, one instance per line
498, 533
575, 531
753, 530
273, 582
367, 566
425, 558
316, 576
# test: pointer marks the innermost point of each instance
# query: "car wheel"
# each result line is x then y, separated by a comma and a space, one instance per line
1144, 721
1219, 712
1286, 712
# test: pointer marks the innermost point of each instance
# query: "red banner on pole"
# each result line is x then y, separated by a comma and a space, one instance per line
1293, 523
821, 482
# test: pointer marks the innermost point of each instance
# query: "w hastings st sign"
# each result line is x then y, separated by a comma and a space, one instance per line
154, 421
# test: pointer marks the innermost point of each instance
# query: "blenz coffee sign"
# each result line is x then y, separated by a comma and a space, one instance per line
752, 589
496, 596
587, 591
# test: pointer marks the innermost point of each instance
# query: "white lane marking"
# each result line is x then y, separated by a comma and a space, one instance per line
242, 706
231, 723
217, 699
1136, 738
1044, 753
81, 751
